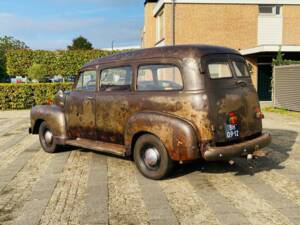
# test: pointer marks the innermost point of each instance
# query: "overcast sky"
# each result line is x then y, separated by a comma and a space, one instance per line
52, 24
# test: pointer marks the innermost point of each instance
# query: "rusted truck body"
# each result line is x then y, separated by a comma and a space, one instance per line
158, 105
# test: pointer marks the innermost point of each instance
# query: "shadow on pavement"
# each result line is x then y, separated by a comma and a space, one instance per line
276, 153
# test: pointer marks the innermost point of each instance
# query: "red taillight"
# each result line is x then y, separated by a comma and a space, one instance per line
231, 114
232, 119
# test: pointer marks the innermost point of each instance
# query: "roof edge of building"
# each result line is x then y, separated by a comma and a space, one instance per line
160, 3
270, 48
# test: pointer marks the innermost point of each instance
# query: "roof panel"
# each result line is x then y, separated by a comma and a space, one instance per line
178, 51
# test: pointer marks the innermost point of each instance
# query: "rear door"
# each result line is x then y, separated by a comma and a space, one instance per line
233, 99
112, 103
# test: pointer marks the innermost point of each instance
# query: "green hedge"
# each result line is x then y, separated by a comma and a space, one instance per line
24, 96
63, 63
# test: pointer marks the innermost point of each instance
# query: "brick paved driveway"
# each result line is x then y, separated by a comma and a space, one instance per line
83, 187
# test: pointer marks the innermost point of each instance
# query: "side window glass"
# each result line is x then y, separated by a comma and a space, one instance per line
116, 79
87, 81
241, 69
159, 78
79, 83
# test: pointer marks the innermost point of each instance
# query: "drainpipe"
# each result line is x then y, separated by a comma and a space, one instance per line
173, 22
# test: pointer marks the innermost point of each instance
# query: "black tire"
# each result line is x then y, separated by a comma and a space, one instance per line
153, 146
48, 146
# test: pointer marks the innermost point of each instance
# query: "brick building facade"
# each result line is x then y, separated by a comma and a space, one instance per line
257, 28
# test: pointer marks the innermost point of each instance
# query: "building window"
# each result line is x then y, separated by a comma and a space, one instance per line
160, 28
270, 10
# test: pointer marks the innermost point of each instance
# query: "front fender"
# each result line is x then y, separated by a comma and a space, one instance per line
177, 135
54, 117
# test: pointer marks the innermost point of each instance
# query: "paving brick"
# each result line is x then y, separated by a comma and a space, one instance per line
97, 192
9, 173
221, 206
156, 202
34, 207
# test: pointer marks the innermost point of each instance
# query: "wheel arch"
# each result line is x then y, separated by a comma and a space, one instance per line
37, 124
135, 137
177, 135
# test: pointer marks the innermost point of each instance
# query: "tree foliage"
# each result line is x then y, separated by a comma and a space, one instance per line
279, 60
37, 72
8, 43
80, 43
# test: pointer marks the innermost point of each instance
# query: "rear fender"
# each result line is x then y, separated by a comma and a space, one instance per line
177, 135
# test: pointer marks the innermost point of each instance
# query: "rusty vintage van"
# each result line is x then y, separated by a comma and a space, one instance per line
159, 105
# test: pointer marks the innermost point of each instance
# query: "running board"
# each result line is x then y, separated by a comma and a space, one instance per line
98, 146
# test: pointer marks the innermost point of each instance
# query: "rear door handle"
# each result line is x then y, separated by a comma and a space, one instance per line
241, 83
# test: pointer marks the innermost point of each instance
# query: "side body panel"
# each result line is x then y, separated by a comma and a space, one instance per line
180, 120
112, 111
80, 114
187, 106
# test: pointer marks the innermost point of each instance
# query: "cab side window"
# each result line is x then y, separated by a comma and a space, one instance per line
116, 79
87, 81
159, 78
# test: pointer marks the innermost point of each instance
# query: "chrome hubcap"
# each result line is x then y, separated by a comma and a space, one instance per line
48, 137
151, 157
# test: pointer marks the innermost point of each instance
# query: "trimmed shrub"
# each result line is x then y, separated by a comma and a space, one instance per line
63, 63
24, 96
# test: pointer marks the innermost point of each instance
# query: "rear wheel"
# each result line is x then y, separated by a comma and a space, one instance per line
46, 138
152, 158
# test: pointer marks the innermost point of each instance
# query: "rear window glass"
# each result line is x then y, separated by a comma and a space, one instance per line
219, 70
159, 78
241, 69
